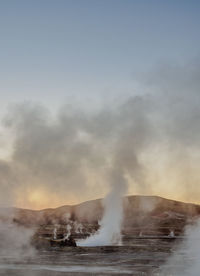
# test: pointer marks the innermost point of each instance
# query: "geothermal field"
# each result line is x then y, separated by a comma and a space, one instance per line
155, 237
99, 137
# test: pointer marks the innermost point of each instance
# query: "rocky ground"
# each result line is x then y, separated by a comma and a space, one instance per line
153, 227
143, 216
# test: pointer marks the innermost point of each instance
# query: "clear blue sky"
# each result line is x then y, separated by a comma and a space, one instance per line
54, 50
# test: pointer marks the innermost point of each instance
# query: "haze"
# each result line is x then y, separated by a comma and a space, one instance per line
91, 86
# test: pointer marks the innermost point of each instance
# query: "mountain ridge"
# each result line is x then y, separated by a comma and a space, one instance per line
99, 199
138, 210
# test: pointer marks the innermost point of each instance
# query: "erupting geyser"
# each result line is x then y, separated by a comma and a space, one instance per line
110, 225
55, 233
68, 231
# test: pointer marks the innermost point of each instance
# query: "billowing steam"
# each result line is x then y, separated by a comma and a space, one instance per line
72, 156
15, 241
67, 158
110, 225
185, 259
147, 144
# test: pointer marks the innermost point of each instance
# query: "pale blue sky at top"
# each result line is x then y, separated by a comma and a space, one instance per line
53, 51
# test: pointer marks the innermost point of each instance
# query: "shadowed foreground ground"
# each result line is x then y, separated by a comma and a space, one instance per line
143, 257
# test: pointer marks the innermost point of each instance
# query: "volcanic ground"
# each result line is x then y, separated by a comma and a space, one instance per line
144, 215
152, 229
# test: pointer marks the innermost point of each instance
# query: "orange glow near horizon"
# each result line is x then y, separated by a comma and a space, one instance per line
39, 196
38, 200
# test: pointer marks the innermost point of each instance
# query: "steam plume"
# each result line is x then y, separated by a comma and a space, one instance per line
110, 225
185, 259
153, 137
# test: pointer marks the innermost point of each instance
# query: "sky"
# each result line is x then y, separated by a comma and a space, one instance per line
52, 51
69, 58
